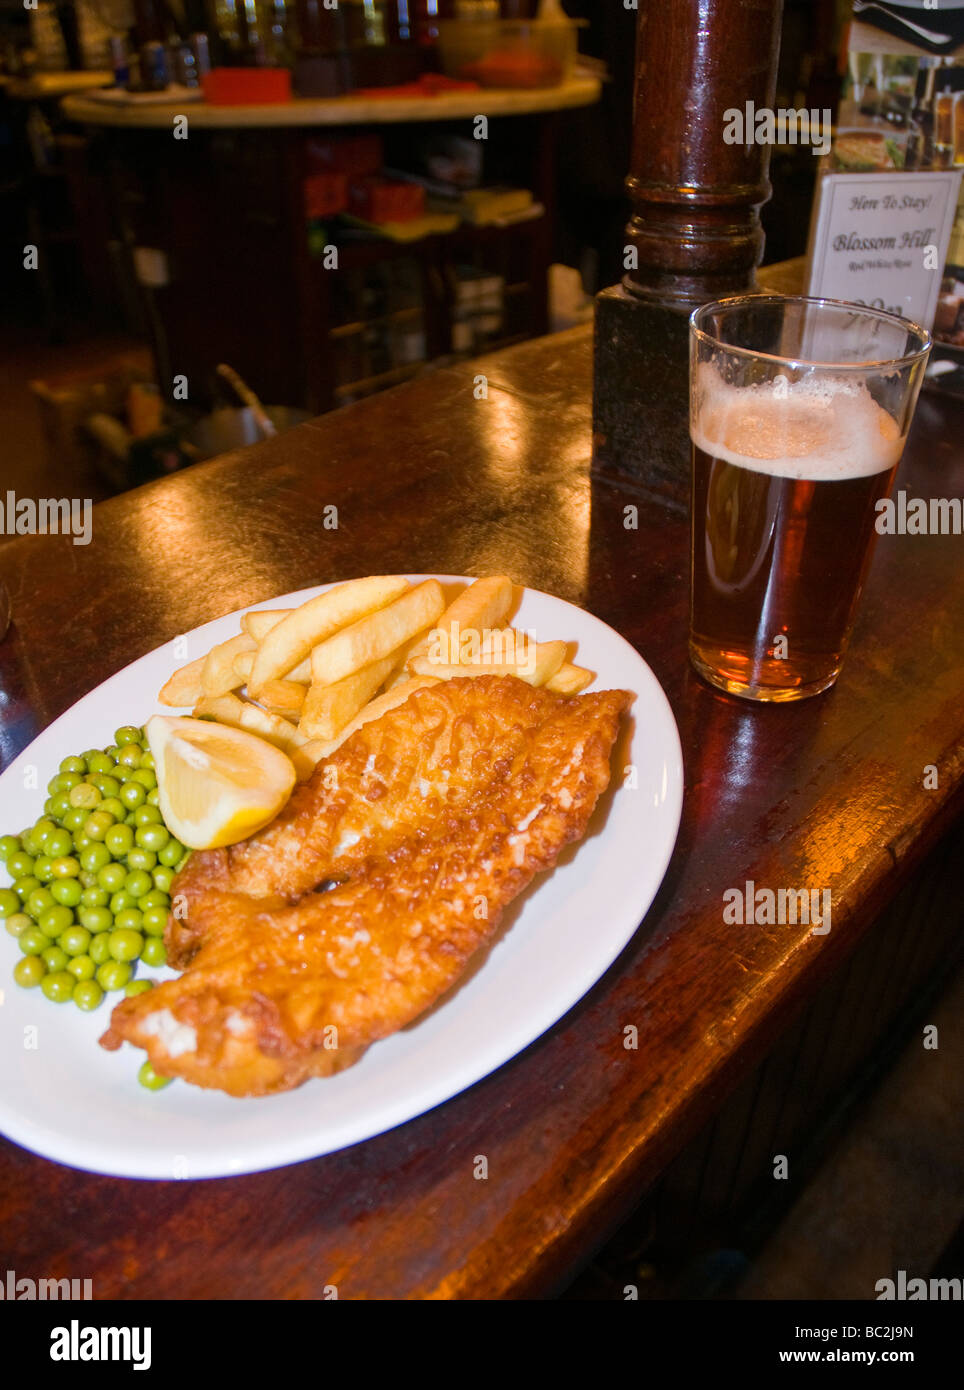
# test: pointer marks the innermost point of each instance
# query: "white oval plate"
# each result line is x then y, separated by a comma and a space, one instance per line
63, 1096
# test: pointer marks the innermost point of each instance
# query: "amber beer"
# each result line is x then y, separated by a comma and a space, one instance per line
799, 412
786, 488
790, 458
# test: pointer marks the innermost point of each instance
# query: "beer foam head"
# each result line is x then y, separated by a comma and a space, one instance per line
818, 428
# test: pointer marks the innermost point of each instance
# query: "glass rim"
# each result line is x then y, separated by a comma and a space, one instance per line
870, 364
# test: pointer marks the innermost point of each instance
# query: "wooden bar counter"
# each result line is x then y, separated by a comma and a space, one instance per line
831, 791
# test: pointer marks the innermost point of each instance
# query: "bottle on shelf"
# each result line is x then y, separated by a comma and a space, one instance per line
920, 143
944, 125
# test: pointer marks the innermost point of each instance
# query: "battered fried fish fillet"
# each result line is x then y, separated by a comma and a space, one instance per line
429, 821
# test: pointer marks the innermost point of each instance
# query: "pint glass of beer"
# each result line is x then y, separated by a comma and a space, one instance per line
799, 409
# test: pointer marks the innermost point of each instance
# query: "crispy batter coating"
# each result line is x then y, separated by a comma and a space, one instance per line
430, 821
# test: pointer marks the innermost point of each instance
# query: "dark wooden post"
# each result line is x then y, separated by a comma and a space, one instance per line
694, 234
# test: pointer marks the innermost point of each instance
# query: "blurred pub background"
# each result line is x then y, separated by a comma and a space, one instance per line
322, 254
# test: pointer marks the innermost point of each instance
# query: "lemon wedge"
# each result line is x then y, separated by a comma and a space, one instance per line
216, 785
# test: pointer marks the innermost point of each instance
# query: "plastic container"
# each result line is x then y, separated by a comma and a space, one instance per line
508, 52
246, 86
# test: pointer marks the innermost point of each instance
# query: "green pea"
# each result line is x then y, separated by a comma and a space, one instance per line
59, 987
75, 819
163, 876
23, 887
66, 781
81, 967
73, 765
57, 844
65, 867
97, 919
112, 877
55, 959
153, 837
49, 808
66, 892
145, 777
132, 794
119, 840
75, 940
147, 815
33, 942
59, 805
155, 898
30, 842
137, 883
113, 974
148, 1077
95, 856
9, 844
9, 902
129, 733
81, 842
112, 753
113, 806
99, 762
130, 757
154, 921
137, 987
121, 901
29, 971
129, 819
42, 869
18, 922
98, 824
94, 897
19, 864
154, 797
147, 760
87, 995
126, 943
44, 827
99, 951
106, 783
85, 795
55, 920
38, 903
153, 952
170, 852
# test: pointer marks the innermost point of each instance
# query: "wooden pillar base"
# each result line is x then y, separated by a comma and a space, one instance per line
641, 395
694, 234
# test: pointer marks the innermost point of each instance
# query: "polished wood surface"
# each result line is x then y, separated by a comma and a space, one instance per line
695, 194
830, 792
